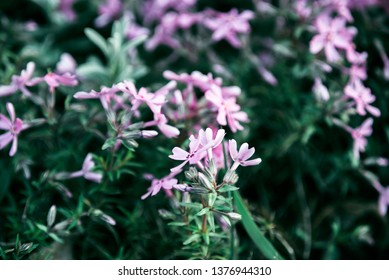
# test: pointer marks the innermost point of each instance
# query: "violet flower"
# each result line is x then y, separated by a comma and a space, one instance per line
228, 25
14, 126
241, 157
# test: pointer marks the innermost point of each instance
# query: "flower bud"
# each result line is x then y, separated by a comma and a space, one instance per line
205, 182
234, 216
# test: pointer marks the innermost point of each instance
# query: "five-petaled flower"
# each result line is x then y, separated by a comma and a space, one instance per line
166, 183
241, 157
14, 127
359, 135
19, 82
362, 97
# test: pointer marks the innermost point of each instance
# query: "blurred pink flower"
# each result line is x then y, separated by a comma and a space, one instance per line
166, 183
66, 8
359, 135
108, 12
19, 82
241, 157
228, 110
153, 101
54, 80
14, 126
228, 25
160, 121
333, 34
86, 172
362, 98
105, 95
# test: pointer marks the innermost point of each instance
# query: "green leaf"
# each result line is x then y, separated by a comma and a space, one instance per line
193, 238
228, 188
97, 39
191, 205
110, 142
211, 221
177, 224
254, 232
203, 212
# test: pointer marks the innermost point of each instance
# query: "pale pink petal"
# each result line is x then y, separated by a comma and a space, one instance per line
251, 162
93, 176
14, 147
168, 130
11, 111
232, 146
5, 139
179, 154
316, 44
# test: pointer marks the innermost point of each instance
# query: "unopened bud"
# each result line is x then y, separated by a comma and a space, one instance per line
234, 216
148, 133
231, 177
205, 182
191, 174
51, 215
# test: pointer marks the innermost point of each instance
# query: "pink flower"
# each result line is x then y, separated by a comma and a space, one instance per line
105, 95
133, 30
108, 12
14, 127
228, 25
207, 139
19, 82
362, 98
166, 183
160, 121
54, 80
194, 156
228, 111
359, 135
241, 157
333, 34
86, 172
154, 102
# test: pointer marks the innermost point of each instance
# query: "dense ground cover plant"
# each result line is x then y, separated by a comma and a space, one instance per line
193, 129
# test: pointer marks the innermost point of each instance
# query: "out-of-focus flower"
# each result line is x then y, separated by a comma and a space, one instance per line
362, 97
155, 9
228, 25
359, 136
105, 95
14, 126
153, 101
241, 157
66, 8
54, 80
333, 34
133, 30
160, 121
19, 82
166, 183
87, 172
108, 12
228, 110
66, 64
